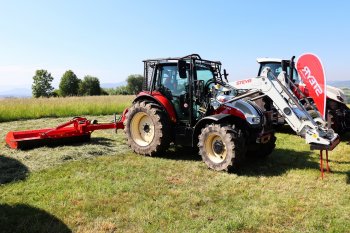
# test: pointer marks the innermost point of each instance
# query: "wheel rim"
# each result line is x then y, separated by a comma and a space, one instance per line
215, 148
142, 129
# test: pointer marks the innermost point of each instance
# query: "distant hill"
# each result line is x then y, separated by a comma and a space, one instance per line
339, 83
17, 92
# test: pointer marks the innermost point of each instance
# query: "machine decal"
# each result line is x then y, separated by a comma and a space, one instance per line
311, 71
241, 82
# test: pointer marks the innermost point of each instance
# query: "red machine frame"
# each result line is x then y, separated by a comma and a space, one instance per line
78, 129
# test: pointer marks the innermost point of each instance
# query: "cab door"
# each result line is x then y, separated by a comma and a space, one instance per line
176, 89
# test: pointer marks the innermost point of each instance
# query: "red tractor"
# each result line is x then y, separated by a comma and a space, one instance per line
188, 101
183, 101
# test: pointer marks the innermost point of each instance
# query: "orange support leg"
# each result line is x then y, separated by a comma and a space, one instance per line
321, 163
328, 169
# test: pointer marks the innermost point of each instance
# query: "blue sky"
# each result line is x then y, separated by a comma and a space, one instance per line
109, 39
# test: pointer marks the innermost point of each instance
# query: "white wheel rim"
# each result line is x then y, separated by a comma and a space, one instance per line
210, 142
142, 129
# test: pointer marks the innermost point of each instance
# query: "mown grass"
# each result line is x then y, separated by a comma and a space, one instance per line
31, 108
102, 186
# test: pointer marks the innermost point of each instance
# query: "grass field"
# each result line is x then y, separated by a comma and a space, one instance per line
31, 108
103, 187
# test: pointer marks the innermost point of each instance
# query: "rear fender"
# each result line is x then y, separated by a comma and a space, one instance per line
161, 100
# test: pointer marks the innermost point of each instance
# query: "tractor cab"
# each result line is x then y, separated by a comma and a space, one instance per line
185, 82
281, 69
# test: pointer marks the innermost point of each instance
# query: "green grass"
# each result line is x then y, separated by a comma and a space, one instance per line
31, 108
103, 187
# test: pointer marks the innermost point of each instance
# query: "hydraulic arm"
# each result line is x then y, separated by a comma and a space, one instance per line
314, 130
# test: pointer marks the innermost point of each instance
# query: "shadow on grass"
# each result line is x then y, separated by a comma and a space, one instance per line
25, 218
281, 161
339, 162
278, 163
11, 170
181, 153
69, 141
101, 141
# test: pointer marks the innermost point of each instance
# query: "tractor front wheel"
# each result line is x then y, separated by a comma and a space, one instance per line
147, 129
261, 150
221, 146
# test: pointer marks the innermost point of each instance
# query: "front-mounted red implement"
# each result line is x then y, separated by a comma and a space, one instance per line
78, 129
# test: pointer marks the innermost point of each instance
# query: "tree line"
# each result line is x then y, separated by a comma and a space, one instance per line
71, 85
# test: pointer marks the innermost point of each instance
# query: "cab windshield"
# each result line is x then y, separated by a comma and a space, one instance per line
276, 69
204, 73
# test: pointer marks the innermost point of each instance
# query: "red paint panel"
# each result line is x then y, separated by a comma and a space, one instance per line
229, 110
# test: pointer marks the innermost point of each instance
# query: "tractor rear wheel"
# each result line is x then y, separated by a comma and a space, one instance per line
221, 146
147, 128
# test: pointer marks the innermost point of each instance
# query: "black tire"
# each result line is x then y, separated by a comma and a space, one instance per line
334, 122
147, 129
221, 146
262, 150
267, 148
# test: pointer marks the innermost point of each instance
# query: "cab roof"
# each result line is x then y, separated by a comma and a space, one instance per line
175, 59
268, 59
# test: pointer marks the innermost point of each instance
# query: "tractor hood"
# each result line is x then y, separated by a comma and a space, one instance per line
336, 94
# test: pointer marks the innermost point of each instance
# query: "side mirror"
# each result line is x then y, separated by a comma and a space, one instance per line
181, 67
292, 67
225, 75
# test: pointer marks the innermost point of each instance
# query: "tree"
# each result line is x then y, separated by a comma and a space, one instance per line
90, 86
134, 85
104, 91
56, 93
122, 90
69, 84
41, 86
